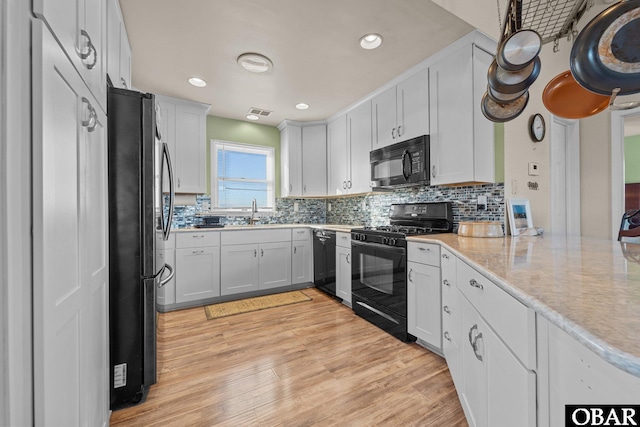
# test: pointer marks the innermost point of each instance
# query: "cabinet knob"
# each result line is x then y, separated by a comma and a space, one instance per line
399, 132
393, 133
262, 253
445, 256
446, 282
295, 249
446, 309
447, 336
433, 171
86, 55
344, 185
124, 83
349, 184
255, 253
92, 122
410, 271
475, 284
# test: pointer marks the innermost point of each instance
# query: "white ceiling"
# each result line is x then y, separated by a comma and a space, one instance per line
313, 45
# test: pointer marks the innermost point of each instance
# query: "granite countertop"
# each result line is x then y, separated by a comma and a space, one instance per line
588, 287
334, 227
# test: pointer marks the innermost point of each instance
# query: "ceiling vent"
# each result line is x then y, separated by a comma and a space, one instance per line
260, 112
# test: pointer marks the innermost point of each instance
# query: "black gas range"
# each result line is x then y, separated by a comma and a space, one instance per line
379, 263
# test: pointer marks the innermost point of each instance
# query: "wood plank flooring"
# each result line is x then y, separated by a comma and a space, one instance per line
311, 363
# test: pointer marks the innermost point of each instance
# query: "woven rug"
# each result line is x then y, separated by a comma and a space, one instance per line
230, 308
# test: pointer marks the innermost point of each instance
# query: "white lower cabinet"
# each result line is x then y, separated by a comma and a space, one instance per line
301, 256
424, 319
254, 260
274, 265
197, 266
343, 267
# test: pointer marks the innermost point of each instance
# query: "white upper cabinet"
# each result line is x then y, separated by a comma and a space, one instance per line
183, 126
303, 160
314, 160
118, 48
462, 139
402, 112
349, 144
291, 161
80, 27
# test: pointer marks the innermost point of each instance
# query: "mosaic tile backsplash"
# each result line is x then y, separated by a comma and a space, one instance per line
368, 210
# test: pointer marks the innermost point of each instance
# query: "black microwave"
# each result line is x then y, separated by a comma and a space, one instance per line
403, 164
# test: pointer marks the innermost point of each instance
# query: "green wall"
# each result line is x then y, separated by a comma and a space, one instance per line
244, 132
632, 159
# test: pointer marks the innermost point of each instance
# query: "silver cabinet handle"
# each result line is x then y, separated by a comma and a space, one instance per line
348, 258
447, 336
446, 282
423, 248
433, 171
393, 133
410, 271
445, 256
197, 252
262, 253
475, 284
255, 253
91, 49
349, 184
124, 83
446, 309
304, 188
344, 185
92, 122
198, 236
295, 249
290, 187
178, 182
399, 133
474, 341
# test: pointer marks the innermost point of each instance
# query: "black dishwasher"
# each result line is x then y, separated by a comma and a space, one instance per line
324, 261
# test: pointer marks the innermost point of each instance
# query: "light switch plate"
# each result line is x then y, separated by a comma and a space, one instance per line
533, 169
481, 205
295, 206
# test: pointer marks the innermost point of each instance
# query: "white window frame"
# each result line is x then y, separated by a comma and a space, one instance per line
247, 148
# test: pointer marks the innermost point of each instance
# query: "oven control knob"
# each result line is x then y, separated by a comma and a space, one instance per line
363, 237
385, 240
392, 241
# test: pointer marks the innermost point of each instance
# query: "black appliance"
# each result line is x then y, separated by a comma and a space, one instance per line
403, 164
136, 165
379, 263
324, 261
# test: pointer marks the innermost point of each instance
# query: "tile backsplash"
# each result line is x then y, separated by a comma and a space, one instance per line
369, 209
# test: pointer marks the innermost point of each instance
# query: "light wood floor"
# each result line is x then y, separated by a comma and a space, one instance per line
311, 363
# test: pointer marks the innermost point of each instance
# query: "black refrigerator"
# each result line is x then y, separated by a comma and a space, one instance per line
139, 212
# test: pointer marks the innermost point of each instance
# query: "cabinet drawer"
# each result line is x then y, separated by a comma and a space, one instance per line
197, 239
513, 321
343, 239
300, 234
424, 253
245, 237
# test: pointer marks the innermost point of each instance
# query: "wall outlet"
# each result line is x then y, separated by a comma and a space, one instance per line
329, 207
295, 206
514, 186
364, 205
481, 204
533, 169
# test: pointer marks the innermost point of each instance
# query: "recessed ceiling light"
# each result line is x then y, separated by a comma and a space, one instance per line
302, 106
255, 63
197, 82
370, 41
252, 117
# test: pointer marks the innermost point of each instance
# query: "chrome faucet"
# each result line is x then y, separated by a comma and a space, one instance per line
254, 210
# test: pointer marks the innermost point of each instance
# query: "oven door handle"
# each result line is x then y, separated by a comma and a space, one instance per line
380, 246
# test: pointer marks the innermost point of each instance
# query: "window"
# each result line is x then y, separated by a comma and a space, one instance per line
241, 173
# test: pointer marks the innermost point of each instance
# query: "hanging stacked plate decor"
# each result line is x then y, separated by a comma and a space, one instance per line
515, 67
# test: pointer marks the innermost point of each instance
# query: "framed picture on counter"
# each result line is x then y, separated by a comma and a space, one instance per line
519, 213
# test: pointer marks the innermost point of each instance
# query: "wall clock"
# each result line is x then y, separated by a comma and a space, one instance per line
536, 127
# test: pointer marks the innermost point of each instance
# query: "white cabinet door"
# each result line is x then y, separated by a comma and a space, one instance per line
80, 27
197, 273
190, 159
291, 161
384, 118
314, 160
343, 273
275, 265
359, 126
423, 303
167, 294
462, 139
70, 286
238, 269
413, 106
337, 167
301, 260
